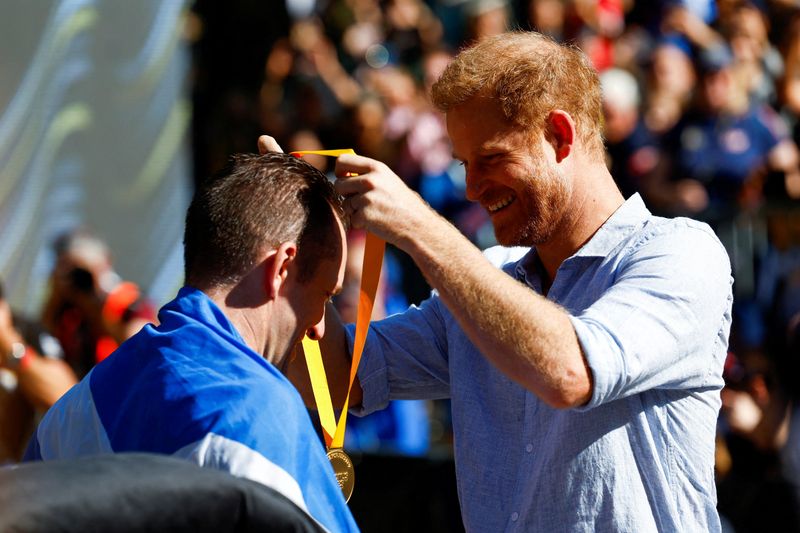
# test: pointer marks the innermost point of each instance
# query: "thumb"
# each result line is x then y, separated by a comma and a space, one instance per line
268, 144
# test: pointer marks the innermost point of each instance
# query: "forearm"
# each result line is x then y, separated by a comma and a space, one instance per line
523, 334
42, 381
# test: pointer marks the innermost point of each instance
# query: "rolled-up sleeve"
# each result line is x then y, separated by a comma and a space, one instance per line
664, 321
405, 357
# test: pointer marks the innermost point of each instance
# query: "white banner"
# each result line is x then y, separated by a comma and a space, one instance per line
94, 132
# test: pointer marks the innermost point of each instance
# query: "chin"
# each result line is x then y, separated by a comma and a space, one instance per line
520, 236
507, 236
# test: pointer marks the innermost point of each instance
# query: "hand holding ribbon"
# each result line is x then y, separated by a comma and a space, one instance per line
334, 432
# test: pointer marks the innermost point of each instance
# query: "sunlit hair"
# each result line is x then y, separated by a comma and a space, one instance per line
253, 205
529, 75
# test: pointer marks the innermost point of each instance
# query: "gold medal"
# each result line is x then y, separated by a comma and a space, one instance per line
343, 468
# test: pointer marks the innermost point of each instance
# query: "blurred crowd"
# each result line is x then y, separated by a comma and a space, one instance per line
702, 115
88, 312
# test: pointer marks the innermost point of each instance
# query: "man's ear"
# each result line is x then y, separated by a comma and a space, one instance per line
561, 133
276, 268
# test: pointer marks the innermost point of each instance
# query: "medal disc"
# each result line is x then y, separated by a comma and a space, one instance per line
343, 468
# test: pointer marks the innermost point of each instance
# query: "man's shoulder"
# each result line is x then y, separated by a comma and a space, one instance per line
181, 392
677, 229
672, 241
70, 428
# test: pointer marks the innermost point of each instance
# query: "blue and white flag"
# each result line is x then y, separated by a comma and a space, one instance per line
192, 388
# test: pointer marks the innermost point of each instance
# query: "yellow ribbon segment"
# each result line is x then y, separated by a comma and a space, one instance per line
332, 153
319, 384
370, 276
374, 248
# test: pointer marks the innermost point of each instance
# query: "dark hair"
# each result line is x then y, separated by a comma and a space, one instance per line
255, 203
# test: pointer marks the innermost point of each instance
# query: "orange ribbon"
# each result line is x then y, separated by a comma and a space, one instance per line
374, 248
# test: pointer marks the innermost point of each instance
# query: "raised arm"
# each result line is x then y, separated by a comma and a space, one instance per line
527, 337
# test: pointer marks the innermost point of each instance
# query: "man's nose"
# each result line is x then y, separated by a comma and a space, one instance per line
317, 331
474, 186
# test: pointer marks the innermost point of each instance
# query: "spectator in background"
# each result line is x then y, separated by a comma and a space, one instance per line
90, 309
758, 63
691, 21
485, 18
791, 450
547, 17
669, 86
411, 31
754, 425
714, 166
264, 251
790, 83
601, 22
631, 147
716, 159
368, 122
32, 377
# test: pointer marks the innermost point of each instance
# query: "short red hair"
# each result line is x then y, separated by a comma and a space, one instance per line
529, 75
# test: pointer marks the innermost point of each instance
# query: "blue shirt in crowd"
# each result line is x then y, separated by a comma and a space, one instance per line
650, 300
723, 152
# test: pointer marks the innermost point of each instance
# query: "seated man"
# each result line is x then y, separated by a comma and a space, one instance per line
264, 250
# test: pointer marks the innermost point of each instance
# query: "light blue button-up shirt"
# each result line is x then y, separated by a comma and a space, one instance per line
650, 301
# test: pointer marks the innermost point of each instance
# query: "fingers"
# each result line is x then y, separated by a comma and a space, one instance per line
353, 207
351, 186
353, 204
350, 164
268, 144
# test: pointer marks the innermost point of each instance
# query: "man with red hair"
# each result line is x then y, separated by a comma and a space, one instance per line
585, 371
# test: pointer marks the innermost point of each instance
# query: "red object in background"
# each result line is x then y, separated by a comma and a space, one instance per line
116, 308
608, 25
119, 300
105, 347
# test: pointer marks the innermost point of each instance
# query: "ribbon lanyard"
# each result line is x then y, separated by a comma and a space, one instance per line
370, 275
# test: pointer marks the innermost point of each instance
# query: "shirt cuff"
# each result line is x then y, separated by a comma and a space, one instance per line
605, 370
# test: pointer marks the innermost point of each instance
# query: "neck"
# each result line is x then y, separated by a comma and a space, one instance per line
247, 321
595, 198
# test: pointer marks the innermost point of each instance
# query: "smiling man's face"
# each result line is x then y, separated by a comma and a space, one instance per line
524, 193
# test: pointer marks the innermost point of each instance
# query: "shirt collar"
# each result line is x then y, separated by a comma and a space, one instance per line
630, 215
194, 304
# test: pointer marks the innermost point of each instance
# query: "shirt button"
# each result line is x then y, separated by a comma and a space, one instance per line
529, 448
514, 517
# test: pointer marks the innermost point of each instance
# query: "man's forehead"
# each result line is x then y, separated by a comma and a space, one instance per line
491, 140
